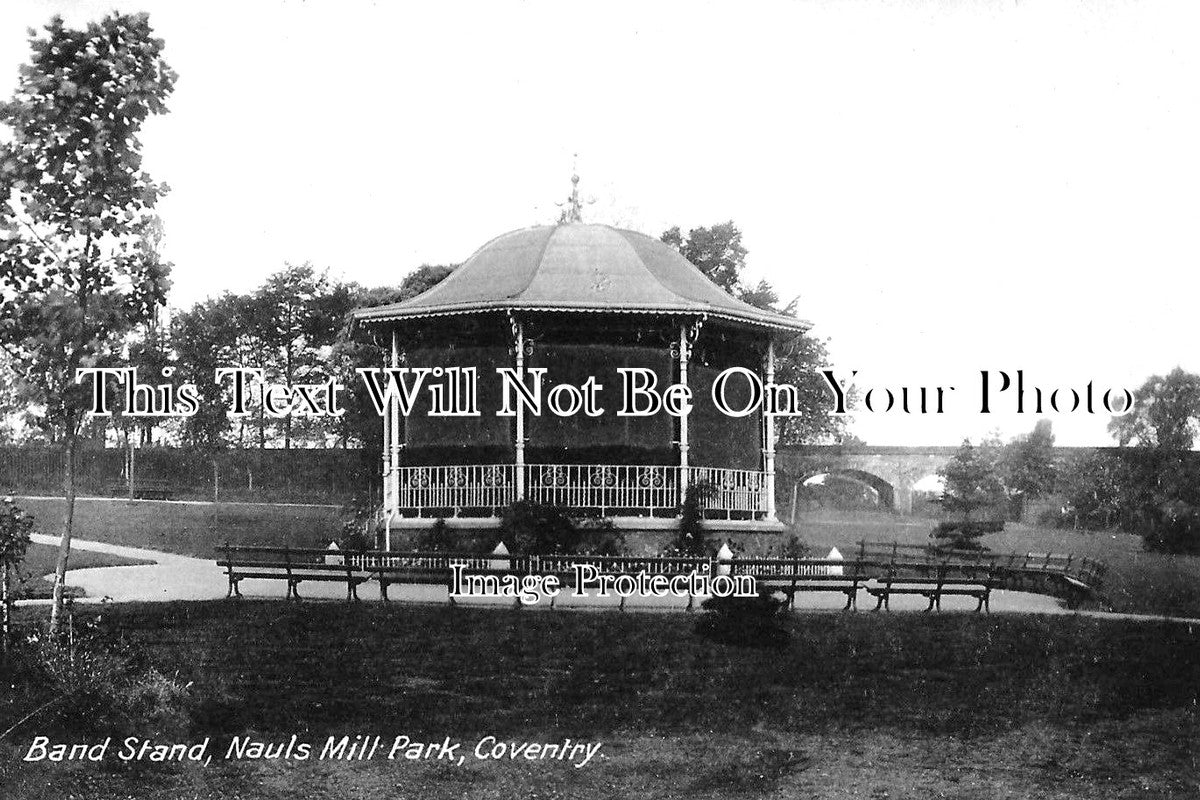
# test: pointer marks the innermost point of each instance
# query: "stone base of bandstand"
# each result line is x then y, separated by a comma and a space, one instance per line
644, 536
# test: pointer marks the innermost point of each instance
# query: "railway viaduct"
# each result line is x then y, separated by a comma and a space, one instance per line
892, 471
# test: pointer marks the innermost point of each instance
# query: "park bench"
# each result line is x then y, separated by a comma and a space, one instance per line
809, 575
934, 582
293, 565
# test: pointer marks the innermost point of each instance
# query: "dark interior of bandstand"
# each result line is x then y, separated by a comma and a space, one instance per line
572, 348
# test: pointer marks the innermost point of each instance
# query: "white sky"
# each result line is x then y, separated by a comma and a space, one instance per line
949, 187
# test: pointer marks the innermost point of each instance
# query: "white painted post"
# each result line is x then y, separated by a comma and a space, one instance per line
769, 437
724, 560
394, 413
683, 420
386, 456
519, 444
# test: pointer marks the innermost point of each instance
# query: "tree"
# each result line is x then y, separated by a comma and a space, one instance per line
15, 527
1027, 463
78, 264
360, 424
1091, 483
1166, 415
718, 252
972, 490
205, 338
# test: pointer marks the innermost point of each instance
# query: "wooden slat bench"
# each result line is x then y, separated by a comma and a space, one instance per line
946, 579
791, 576
293, 565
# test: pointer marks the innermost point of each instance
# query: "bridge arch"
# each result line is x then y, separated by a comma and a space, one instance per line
885, 490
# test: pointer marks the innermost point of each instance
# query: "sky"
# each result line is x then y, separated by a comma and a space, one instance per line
948, 187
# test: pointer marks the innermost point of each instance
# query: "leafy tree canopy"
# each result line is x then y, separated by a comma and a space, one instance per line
1166, 414
79, 264
718, 252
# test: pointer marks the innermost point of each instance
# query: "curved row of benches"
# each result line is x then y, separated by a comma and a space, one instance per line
882, 578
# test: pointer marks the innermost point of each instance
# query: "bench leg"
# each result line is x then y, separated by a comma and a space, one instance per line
383, 587
851, 595
932, 601
879, 598
293, 589
984, 603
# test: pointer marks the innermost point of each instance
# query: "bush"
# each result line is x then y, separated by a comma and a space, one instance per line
745, 621
1175, 528
435, 539
98, 685
958, 535
690, 541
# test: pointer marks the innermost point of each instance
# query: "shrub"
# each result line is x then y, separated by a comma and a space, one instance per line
795, 547
745, 621
690, 541
538, 529
960, 535
99, 685
435, 539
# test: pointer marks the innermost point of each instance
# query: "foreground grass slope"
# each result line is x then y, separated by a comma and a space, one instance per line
855, 706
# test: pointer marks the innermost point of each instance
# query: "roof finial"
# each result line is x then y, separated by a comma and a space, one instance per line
572, 210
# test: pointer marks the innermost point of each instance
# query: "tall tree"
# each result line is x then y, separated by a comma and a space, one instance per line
1167, 413
1027, 463
204, 339
718, 252
78, 265
361, 424
971, 495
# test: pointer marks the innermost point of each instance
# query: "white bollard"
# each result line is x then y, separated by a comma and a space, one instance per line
334, 560
834, 555
499, 563
724, 560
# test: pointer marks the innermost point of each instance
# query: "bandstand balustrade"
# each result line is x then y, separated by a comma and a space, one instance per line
608, 489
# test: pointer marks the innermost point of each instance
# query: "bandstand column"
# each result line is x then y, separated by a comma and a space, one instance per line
769, 436
393, 427
519, 444
683, 420
386, 454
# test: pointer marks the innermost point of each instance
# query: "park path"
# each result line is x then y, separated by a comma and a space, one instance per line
175, 577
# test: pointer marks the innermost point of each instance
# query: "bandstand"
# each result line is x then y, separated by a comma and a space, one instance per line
579, 300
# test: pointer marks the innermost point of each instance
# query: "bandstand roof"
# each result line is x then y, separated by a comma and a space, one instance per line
577, 267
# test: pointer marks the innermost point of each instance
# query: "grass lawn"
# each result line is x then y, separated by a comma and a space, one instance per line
40, 560
855, 706
1137, 582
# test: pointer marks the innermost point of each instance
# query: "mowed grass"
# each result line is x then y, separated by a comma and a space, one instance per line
1138, 582
856, 705
40, 560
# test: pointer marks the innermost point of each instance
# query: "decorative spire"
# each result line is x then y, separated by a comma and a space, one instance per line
572, 210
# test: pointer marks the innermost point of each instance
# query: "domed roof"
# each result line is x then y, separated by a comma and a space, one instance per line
577, 268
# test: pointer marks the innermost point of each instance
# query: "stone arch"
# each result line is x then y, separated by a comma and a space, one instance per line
886, 491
